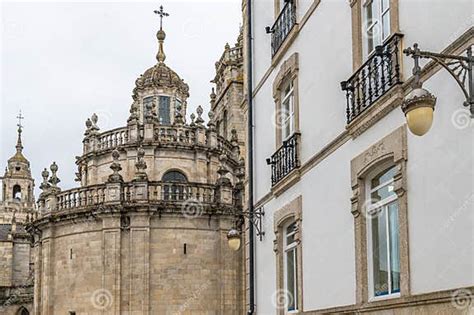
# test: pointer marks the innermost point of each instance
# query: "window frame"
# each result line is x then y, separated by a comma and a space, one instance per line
357, 17
282, 218
159, 97
287, 116
376, 21
371, 207
389, 150
288, 72
292, 247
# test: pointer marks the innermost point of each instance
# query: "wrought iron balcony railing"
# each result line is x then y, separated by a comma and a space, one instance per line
374, 78
285, 159
283, 25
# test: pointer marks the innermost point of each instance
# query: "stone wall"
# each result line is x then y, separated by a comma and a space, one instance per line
167, 265
6, 260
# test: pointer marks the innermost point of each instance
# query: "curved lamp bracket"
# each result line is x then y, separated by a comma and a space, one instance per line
459, 67
255, 218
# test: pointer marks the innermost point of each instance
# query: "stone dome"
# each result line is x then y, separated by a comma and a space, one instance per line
161, 76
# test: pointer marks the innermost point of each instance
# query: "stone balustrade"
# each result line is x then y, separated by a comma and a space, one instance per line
113, 138
97, 195
180, 135
159, 135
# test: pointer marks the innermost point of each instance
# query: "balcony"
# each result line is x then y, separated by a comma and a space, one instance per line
285, 159
374, 78
158, 192
283, 25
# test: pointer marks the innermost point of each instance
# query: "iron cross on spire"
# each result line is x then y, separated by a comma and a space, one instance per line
162, 14
20, 118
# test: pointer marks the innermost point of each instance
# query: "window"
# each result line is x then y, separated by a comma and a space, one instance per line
17, 192
174, 176
383, 235
164, 110
287, 111
376, 25
174, 186
290, 266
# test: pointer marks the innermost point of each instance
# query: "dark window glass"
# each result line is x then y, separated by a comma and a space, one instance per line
164, 110
174, 176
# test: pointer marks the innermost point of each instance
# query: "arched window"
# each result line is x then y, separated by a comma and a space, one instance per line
17, 192
174, 187
174, 176
23, 311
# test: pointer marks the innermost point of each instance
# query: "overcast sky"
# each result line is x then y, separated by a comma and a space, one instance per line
63, 61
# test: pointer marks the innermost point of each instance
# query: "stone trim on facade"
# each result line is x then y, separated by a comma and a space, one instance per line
288, 72
291, 211
429, 303
391, 150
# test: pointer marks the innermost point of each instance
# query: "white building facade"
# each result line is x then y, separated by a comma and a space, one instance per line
361, 215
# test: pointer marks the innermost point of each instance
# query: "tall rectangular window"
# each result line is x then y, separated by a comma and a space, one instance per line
376, 24
383, 235
290, 267
287, 112
164, 110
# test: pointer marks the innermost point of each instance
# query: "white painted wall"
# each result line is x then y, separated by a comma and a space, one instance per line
440, 164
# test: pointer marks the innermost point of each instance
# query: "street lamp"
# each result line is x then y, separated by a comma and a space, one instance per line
418, 106
234, 237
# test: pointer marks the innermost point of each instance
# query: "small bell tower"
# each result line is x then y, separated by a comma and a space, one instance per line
17, 183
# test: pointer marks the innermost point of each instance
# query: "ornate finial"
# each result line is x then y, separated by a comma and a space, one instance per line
199, 112
193, 117
116, 167
211, 123
140, 165
92, 122
54, 180
161, 35
44, 185
19, 145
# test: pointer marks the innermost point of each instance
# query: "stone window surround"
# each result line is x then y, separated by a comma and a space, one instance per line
391, 149
291, 211
288, 71
357, 36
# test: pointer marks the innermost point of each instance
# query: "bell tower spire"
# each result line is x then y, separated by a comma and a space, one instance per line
161, 35
19, 145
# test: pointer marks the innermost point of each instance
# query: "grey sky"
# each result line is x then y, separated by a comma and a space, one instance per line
63, 61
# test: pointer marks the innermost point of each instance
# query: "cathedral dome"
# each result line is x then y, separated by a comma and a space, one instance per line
161, 76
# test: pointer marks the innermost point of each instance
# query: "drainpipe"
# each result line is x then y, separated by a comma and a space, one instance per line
250, 160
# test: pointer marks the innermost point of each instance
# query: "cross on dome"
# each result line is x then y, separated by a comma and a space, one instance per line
160, 56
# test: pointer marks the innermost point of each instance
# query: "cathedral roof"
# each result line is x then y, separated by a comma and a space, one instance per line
160, 75
19, 157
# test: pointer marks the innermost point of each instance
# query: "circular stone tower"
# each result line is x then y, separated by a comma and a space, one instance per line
145, 233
